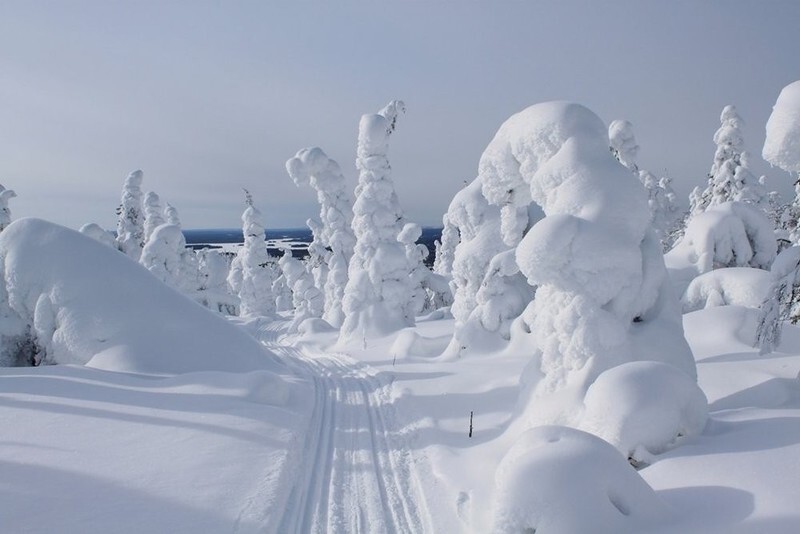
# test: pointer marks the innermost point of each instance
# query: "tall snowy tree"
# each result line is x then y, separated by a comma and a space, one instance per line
730, 179
307, 300
252, 276
375, 299
130, 221
161, 255
5, 212
153, 213
446, 247
311, 166
661, 199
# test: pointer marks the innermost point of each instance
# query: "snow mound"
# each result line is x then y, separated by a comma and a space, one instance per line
561, 480
739, 286
782, 145
68, 299
642, 408
409, 343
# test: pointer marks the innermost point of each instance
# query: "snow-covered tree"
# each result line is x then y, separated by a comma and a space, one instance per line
153, 214
213, 292
446, 248
188, 276
307, 300
623, 143
782, 149
603, 295
318, 254
782, 302
161, 255
130, 221
311, 166
418, 271
375, 299
5, 212
96, 232
730, 179
252, 273
661, 198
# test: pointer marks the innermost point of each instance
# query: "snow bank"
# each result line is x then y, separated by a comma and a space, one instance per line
643, 408
782, 145
740, 286
560, 480
68, 299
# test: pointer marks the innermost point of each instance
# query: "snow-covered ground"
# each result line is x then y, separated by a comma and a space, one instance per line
376, 440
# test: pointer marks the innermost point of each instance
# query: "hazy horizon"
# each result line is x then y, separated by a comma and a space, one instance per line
207, 99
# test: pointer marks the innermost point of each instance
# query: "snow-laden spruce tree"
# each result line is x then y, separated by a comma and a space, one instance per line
307, 300
318, 255
603, 296
130, 217
446, 248
161, 255
311, 166
376, 297
782, 149
730, 179
661, 199
153, 214
188, 275
419, 272
213, 292
623, 143
252, 273
5, 212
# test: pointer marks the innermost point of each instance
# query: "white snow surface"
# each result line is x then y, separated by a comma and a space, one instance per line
561, 480
782, 145
644, 408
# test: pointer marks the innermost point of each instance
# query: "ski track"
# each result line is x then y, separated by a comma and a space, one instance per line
355, 472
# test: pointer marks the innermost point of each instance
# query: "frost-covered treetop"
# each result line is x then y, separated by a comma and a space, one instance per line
171, 212
5, 213
728, 137
134, 180
782, 146
391, 112
410, 233
623, 143
522, 144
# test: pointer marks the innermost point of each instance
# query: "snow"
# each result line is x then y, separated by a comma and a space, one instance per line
782, 145
740, 286
562, 480
644, 408
62, 278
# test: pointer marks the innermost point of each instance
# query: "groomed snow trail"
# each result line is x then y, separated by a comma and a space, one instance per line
355, 472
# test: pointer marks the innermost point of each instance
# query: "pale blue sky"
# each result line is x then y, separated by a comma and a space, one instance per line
209, 97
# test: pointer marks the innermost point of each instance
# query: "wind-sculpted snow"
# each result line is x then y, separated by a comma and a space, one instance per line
644, 408
782, 145
68, 299
603, 297
560, 480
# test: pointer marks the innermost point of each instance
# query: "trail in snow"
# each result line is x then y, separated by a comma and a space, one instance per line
355, 474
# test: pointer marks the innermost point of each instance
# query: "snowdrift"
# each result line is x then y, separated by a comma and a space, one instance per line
69, 299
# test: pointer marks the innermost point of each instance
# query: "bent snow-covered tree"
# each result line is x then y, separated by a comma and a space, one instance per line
376, 297
252, 274
603, 296
311, 166
130, 221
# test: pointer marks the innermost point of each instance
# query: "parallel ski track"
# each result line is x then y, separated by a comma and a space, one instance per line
356, 474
